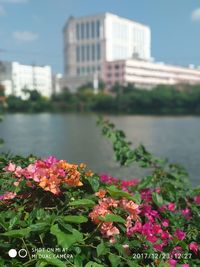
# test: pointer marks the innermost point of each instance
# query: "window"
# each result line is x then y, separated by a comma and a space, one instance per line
82, 30
98, 28
77, 31
88, 53
82, 53
82, 70
93, 29
87, 30
78, 54
93, 52
78, 71
98, 51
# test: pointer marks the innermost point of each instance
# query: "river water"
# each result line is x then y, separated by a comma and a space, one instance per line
76, 138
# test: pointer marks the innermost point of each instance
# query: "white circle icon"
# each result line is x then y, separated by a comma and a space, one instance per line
12, 253
22, 253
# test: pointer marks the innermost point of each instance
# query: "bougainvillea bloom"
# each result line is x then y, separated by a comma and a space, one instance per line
7, 196
179, 234
194, 247
49, 174
197, 199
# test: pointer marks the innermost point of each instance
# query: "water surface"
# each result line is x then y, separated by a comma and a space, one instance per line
76, 138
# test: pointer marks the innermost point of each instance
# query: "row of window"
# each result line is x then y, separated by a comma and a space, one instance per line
88, 30
88, 52
88, 70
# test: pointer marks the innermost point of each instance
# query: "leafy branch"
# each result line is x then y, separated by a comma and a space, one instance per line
124, 154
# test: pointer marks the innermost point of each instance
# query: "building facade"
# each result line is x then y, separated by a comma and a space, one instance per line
148, 74
17, 77
91, 41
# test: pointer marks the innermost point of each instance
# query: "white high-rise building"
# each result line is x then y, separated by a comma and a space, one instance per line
16, 77
90, 41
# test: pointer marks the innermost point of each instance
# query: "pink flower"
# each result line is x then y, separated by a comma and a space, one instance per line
176, 251
146, 194
185, 265
18, 172
180, 234
158, 190
171, 206
158, 247
186, 213
8, 195
193, 247
10, 168
152, 238
165, 223
197, 199
172, 263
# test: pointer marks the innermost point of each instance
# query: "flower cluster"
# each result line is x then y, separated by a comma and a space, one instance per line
153, 223
122, 184
106, 206
48, 174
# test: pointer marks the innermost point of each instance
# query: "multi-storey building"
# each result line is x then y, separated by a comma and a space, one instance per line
148, 74
17, 77
91, 41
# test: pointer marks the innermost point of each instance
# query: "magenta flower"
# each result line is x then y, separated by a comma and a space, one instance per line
171, 206
165, 223
194, 247
186, 213
197, 199
180, 234
172, 263
158, 247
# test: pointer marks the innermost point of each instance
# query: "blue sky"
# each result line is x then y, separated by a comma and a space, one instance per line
31, 30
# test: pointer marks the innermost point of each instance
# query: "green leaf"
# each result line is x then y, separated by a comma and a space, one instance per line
94, 182
93, 264
145, 182
18, 233
114, 260
132, 263
49, 258
39, 227
101, 249
112, 218
83, 202
78, 261
41, 263
66, 240
115, 192
157, 198
75, 219
137, 197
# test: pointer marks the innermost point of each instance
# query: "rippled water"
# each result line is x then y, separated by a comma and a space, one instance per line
76, 138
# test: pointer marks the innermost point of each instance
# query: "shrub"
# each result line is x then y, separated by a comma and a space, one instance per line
54, 213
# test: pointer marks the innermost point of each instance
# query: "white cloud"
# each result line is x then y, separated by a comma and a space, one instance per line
25, 36
196, 14
14, 1
2, 11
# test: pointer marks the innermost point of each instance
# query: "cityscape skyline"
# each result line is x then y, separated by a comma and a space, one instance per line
30, 35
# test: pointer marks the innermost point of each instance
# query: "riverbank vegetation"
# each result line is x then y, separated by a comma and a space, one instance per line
54, 213
162, 100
